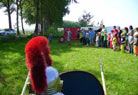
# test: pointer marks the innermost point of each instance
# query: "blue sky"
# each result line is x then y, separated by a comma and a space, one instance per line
113, 12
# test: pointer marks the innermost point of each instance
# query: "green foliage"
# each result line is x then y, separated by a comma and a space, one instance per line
8, 38
53, 30
52, 11
29, 11
120, 69
4, 4
70, 24
85, 19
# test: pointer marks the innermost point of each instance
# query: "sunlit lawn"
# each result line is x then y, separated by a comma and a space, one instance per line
120, 69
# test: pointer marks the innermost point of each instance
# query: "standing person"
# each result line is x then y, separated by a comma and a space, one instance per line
81, 37
50, 38
69, 36
84, 37
108, 40
90, 36
93, 36
114, 42
131, 30
105, 40
123, 41
104, 30
136, 42
115, 31
119, 36
131, 41
77, 37
97, 39
87, 38
111, 39
126, 37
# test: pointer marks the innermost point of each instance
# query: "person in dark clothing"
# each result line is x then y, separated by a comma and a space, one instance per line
77, 37
119, 37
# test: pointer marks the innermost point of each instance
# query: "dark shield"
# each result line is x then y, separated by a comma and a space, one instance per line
80, 83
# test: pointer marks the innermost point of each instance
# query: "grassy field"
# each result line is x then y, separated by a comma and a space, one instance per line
121, 69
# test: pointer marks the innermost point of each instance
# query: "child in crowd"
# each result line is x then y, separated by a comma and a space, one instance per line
97, 39
84, 37
90, 36
77, 37
123, 41
69, 36
93, 36
108, 40
114, 42
126, 38
119, 37
87, 38
81, 37
111, 39
105, 40
50, 38
130, 40
136, 42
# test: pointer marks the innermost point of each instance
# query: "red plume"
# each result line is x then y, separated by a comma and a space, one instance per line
37, 59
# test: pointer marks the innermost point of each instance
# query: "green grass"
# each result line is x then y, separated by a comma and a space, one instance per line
120, 69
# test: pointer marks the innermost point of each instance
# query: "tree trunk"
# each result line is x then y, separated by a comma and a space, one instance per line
37, 17
9, 15
41, 26
43, 20
22, 17
17, 14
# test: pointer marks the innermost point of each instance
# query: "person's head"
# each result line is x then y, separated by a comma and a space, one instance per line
119, 28
131, 27
78, 31
126, 29
112, 31
103, 26
114, 27
137, 29
105, 33
90, 29
109, 34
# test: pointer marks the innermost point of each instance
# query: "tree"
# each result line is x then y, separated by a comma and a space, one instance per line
21, 13
48, 13
17, 15
9, 5
70, 24
37, 16
85, 19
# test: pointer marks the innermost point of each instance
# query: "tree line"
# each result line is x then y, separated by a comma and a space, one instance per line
44, 12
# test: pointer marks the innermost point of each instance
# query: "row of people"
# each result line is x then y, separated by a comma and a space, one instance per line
125, 39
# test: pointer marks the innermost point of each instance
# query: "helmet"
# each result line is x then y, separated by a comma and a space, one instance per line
44, 78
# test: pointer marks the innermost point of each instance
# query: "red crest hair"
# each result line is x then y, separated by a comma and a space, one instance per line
37, 59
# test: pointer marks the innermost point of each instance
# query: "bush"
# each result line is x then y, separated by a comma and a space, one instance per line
7, 38
53, 30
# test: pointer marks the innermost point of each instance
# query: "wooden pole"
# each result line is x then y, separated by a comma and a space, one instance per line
26, 82
102, 75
